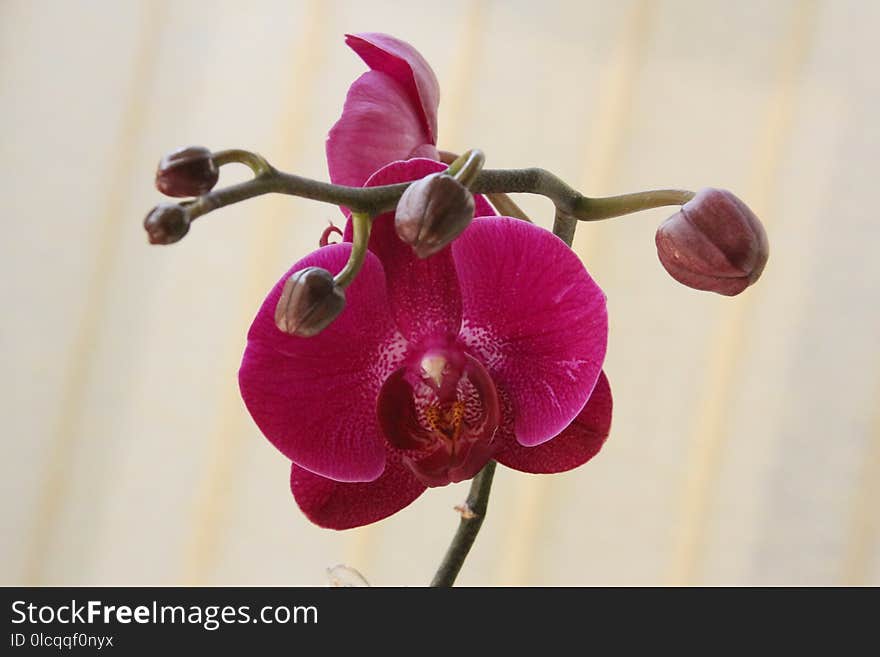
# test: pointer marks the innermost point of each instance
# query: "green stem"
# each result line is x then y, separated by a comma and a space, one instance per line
471, 520
376, 200
467, 166
361, 225
564, 227
499, 200
616, 206
570, 201
257, 163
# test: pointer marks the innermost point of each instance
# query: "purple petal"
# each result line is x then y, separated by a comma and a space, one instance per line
534, 316
578, 443
402, 62
379, 124
337, 505
424, 294
315, 398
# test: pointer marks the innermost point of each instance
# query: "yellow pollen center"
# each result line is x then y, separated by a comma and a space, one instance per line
446, 421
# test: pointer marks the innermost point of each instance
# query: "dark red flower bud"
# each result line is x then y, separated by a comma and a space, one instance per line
432, 212
187, 171
715, 243
309, 302
167, 223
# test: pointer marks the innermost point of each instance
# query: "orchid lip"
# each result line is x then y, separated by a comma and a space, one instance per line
441, 413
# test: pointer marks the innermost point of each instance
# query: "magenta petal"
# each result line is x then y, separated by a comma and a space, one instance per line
337, 505
315, 398
578, 443
536, 319
402, 62
378, 125
424, 294
482, 208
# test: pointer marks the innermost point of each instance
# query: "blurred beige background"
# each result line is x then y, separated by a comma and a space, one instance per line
746, 439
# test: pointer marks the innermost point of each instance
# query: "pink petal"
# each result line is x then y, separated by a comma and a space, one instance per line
536, 319
402, 62
379, 124
425, 446
315, 398
578, 443
337, 505
424, 294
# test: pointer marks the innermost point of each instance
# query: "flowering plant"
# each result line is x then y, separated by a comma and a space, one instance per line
434, 341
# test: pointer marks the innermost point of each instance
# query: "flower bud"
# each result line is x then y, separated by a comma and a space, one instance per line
187, 171
167, 223
432, 212
309, 302
715, 243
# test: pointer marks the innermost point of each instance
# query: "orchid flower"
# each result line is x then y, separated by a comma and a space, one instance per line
484, 350
439, 338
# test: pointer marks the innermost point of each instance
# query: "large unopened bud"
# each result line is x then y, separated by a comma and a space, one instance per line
715, 243
432, 212
309, 302
189, 171
166, 223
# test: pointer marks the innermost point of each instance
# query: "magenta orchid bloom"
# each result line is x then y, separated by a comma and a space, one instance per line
490, 349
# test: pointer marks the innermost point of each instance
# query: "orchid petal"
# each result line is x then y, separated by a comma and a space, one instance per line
536, 319
338, 505
402, 62
424, 293
578, 443
378, 125
315, 398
